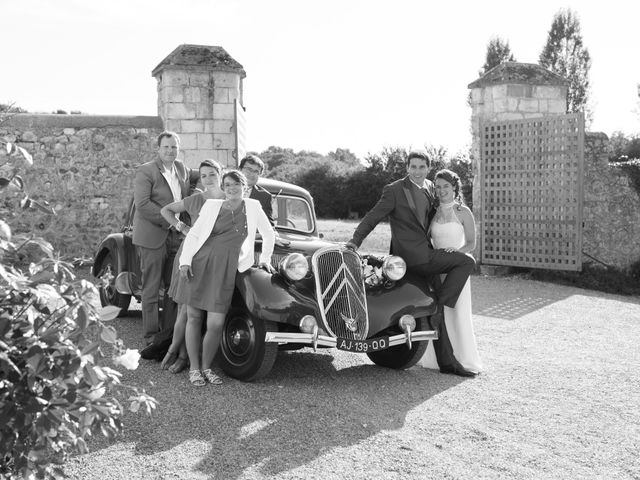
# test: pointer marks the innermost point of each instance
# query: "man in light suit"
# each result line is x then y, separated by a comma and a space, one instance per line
409, 203
158, 183
252, 167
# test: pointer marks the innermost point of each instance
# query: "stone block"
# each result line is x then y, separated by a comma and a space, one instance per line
193, 95
226, 159
205, 141
192, 158
557, 106
219, 126
225, 141
69, 131
189, 141
221, 95
226, 79
171, 94
224, 111
199, 79
528, 105
498, 91
512, 104
192, 126
476, 95
204, 110
501, 105
234, 94
59, 149
182, 111
175, 78
173, 125
548, 91
28, 137
517, 90
206, 153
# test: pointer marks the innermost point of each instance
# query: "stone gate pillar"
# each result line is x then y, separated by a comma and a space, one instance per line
509, 91
199, 93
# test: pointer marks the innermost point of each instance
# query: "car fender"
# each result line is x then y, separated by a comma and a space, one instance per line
114, 243
274, 298
409, 296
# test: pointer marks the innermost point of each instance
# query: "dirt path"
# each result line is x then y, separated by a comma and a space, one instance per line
559, 398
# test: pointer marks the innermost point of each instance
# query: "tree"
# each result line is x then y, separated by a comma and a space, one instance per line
566, 55
11, 108
498, 51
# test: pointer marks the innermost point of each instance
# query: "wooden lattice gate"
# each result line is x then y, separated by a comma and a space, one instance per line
531, 180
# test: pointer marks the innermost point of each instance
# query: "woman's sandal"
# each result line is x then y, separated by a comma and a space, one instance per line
179, 365
196, 378
168, 359
211, 377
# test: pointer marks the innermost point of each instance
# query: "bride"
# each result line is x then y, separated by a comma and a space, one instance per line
453, 229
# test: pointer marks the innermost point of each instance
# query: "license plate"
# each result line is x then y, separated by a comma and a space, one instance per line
362, 346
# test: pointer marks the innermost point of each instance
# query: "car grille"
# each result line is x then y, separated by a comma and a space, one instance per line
340, 292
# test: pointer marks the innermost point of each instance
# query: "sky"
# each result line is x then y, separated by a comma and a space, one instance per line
321, 75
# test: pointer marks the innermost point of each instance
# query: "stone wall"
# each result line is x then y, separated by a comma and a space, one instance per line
611, 211
84, 166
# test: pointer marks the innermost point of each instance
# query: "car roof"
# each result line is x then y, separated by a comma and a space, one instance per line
277, 187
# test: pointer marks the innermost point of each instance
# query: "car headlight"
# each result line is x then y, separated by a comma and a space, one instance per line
307, 323
394, 267
294, 266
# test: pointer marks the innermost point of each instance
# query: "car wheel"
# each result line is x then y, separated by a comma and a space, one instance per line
243, 352
400, 356
107, 274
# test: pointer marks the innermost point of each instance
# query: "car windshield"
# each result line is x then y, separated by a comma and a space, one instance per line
292, 213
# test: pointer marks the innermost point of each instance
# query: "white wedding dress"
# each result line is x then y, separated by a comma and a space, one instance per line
447, 231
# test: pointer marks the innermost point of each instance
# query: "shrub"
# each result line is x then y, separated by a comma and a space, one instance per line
56, 388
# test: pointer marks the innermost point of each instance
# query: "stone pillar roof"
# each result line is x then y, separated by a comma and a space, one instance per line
200, 57
515, 72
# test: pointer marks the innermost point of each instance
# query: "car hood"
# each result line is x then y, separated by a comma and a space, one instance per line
304, 244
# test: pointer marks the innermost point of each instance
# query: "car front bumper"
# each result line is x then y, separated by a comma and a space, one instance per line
283, 338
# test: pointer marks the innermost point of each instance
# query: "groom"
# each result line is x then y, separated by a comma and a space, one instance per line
410, 203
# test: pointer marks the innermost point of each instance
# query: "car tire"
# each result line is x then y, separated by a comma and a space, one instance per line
401, 357
109, 270
243, 352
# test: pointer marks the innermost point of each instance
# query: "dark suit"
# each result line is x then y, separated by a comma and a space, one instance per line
410, 241
265, 198
155, 242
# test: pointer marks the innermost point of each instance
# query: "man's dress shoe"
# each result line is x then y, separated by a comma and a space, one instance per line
153, 352
461, 372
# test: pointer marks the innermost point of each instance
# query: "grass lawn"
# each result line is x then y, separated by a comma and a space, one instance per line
377, 242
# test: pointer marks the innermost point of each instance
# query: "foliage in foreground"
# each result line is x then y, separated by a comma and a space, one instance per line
56, 385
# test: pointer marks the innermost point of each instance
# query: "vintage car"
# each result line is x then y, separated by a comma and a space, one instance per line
323, 295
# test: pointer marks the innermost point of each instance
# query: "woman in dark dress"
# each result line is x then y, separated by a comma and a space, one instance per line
176, 358
220, 243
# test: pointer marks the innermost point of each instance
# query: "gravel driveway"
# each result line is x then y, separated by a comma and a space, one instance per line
559, 398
